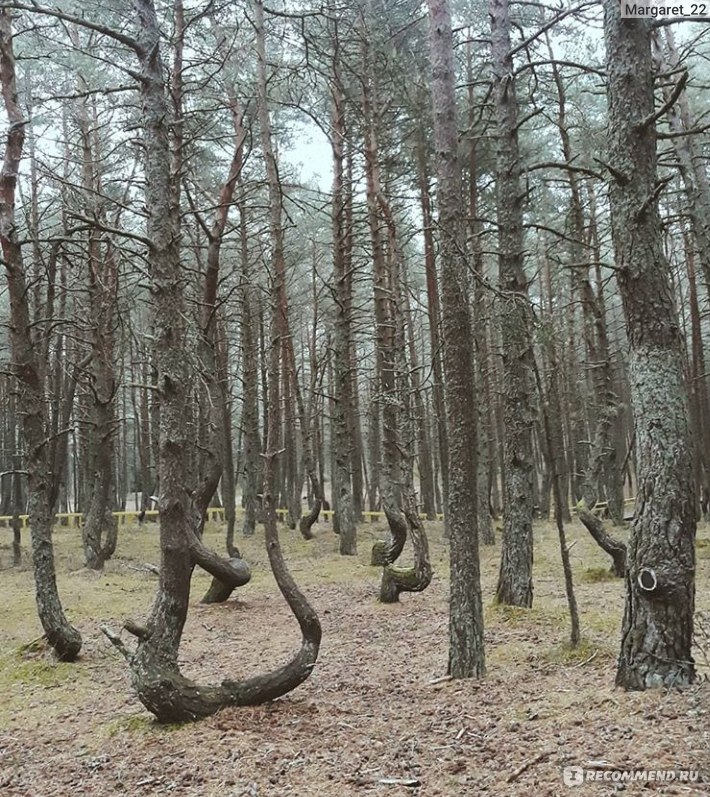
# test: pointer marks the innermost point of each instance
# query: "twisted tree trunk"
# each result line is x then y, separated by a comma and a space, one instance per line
417, 578
156, 675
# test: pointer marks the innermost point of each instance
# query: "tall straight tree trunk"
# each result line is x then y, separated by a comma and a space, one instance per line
657, 631
229, 483
353, 407
249, 304
99, 533
218, 464
278, 256
342, 442
374, 446
690, 157
466, 648
385, 281
515, 580
485, 522
696, 186
27, 369
141, 410
434, 313
612, 475
424, 459
699, 388
602, 455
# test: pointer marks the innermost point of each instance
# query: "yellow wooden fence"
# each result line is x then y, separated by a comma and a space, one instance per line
215, 514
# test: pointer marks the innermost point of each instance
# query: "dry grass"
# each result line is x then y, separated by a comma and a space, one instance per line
370, 710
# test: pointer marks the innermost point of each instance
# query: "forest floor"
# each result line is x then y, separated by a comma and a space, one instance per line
373, 709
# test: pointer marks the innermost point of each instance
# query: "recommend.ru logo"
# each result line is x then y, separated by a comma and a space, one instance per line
605, 773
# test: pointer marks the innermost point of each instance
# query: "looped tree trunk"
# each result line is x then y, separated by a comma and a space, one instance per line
386, 552
233, 573
408, 579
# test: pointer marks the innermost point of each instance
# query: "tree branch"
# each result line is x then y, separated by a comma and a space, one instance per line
56, 13
668, 104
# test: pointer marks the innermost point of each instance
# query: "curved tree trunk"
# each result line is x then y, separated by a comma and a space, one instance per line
42, 488
155, 671
615, 548
385, 552
232, 573
396, 580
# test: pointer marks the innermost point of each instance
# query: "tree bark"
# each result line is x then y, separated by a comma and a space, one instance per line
554, 461
434, 314
100, 530
156, 675
417, 578
515, 579
657, 631
249, 305
27, 369
342, 291
466, 647
386, 319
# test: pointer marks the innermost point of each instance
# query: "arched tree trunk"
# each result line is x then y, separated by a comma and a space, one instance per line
155, 672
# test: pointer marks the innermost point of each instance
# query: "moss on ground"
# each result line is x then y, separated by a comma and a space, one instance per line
596, 575
44, 672
139, 725
586, 652
126, 589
